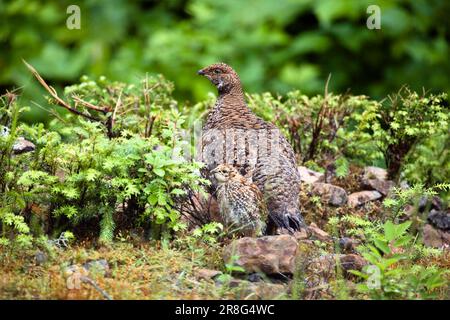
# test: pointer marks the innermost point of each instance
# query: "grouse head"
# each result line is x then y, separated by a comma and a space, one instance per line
224, 173
222, 76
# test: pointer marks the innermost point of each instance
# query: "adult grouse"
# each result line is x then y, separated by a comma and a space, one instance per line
234, 135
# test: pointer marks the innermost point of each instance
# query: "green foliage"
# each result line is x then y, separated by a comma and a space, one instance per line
208, 232
400, 199
286, 45
13, 226
319, 128
356, 226
403, 121
390, 275
83, 171
430, 161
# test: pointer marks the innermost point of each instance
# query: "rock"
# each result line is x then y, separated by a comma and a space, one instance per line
40, 257
429, 204
375, 178
21, 145
352, 262
384, 187
207, 274
318, 233
329, 193
301, 234
439, 219
374, 173
359, 198
100, 266
435, 238
270, 254
308, 175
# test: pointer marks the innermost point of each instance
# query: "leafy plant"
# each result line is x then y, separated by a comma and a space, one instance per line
317, 127
387, 276
11, 201
401, 199
121, 169
402, 121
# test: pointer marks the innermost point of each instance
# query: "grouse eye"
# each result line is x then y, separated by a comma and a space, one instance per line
217, 71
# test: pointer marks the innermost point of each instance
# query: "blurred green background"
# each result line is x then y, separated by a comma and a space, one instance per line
274, 45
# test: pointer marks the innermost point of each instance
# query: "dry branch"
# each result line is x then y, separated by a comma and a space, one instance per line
55, 96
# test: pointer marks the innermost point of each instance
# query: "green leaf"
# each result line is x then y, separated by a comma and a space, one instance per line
389, 231
160, 172
382, 245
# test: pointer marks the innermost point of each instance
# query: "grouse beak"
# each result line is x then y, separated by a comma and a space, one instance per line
201, 72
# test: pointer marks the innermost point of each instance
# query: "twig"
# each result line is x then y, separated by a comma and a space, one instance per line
55, 96
96, 287
89, 105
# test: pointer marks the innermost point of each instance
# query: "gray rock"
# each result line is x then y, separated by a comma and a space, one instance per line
330, 194
359, 198
376, 179
101, 266
430, 203
384, 187
309, 176
255, 277
439, 219
40, 257
21, 145
374, 173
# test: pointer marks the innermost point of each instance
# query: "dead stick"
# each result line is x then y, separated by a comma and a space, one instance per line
55, 96
89, 105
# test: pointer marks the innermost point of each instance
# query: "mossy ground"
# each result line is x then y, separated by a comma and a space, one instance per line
151, 270
137, 271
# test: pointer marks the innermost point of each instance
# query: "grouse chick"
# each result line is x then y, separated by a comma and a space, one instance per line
233, 134
241, 203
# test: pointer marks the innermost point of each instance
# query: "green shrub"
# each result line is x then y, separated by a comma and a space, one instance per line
391, 274
404, 121
127, 164
318, 127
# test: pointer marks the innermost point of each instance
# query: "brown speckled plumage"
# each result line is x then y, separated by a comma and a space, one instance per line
233, 134
241, 203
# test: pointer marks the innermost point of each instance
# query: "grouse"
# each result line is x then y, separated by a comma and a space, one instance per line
241, 204
234, 135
